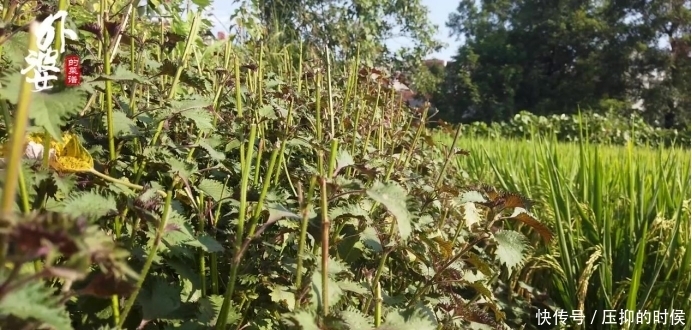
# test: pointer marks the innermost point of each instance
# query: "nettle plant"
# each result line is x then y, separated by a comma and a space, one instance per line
186, 186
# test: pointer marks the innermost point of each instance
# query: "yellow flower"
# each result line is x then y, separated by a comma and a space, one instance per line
70, 155
66, 156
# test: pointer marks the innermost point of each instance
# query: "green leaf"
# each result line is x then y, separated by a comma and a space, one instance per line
195, 110
334, 292
122, 124
202, 118
417, 321
48, 109
35, 301
213, 153
277, 212
15, 49
511, 246
370, 239
202, 3
206, 243
159, 299
266, 111
281, 294
354, 319
349, 211
210, 307
343, 159
178, 230
214, 189
123, 75
354, 287
89, 204
182, 168
393, 197
304, 320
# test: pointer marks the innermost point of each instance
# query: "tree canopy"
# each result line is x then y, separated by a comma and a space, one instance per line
560, 56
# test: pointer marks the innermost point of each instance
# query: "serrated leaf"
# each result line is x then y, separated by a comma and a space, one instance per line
354, 319
122, 124
304, 320
349, 210
511, 246
16, 48
206, 243
89, 204
213, 153
354, 287
343, 159
64, 183
480, 287
471, 214
210, 307
394, 320
159, 299
446, 247
50, 110
35, 301
214, 189
479, 264
281, 294
522, 215
182, 168
472, 197
202, 118
277, 212
393, 197
333, 290
370, 239
266, 111
122, 74
178, 230
334, 266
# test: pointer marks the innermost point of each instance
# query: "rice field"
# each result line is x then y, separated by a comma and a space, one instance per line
621, 216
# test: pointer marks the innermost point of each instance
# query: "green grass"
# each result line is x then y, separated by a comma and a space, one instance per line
620, 214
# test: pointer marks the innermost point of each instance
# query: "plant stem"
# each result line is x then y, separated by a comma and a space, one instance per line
240, 229
21, 120
150, 257
325, 248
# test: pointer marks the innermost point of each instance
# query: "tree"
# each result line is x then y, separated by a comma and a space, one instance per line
562, 55
354, 27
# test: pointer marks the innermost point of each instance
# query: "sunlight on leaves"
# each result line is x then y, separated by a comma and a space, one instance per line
511, 246
281, 294
471, 214
393, 197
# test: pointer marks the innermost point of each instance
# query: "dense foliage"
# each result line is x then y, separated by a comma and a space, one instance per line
191, 186
273, 181
610, 128
562, 56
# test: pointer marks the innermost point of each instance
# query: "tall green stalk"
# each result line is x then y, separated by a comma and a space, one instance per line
16, 145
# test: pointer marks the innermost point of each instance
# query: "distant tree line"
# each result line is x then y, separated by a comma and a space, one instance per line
541, 56
562, 56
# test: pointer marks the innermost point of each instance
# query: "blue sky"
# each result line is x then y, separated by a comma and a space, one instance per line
439, 10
